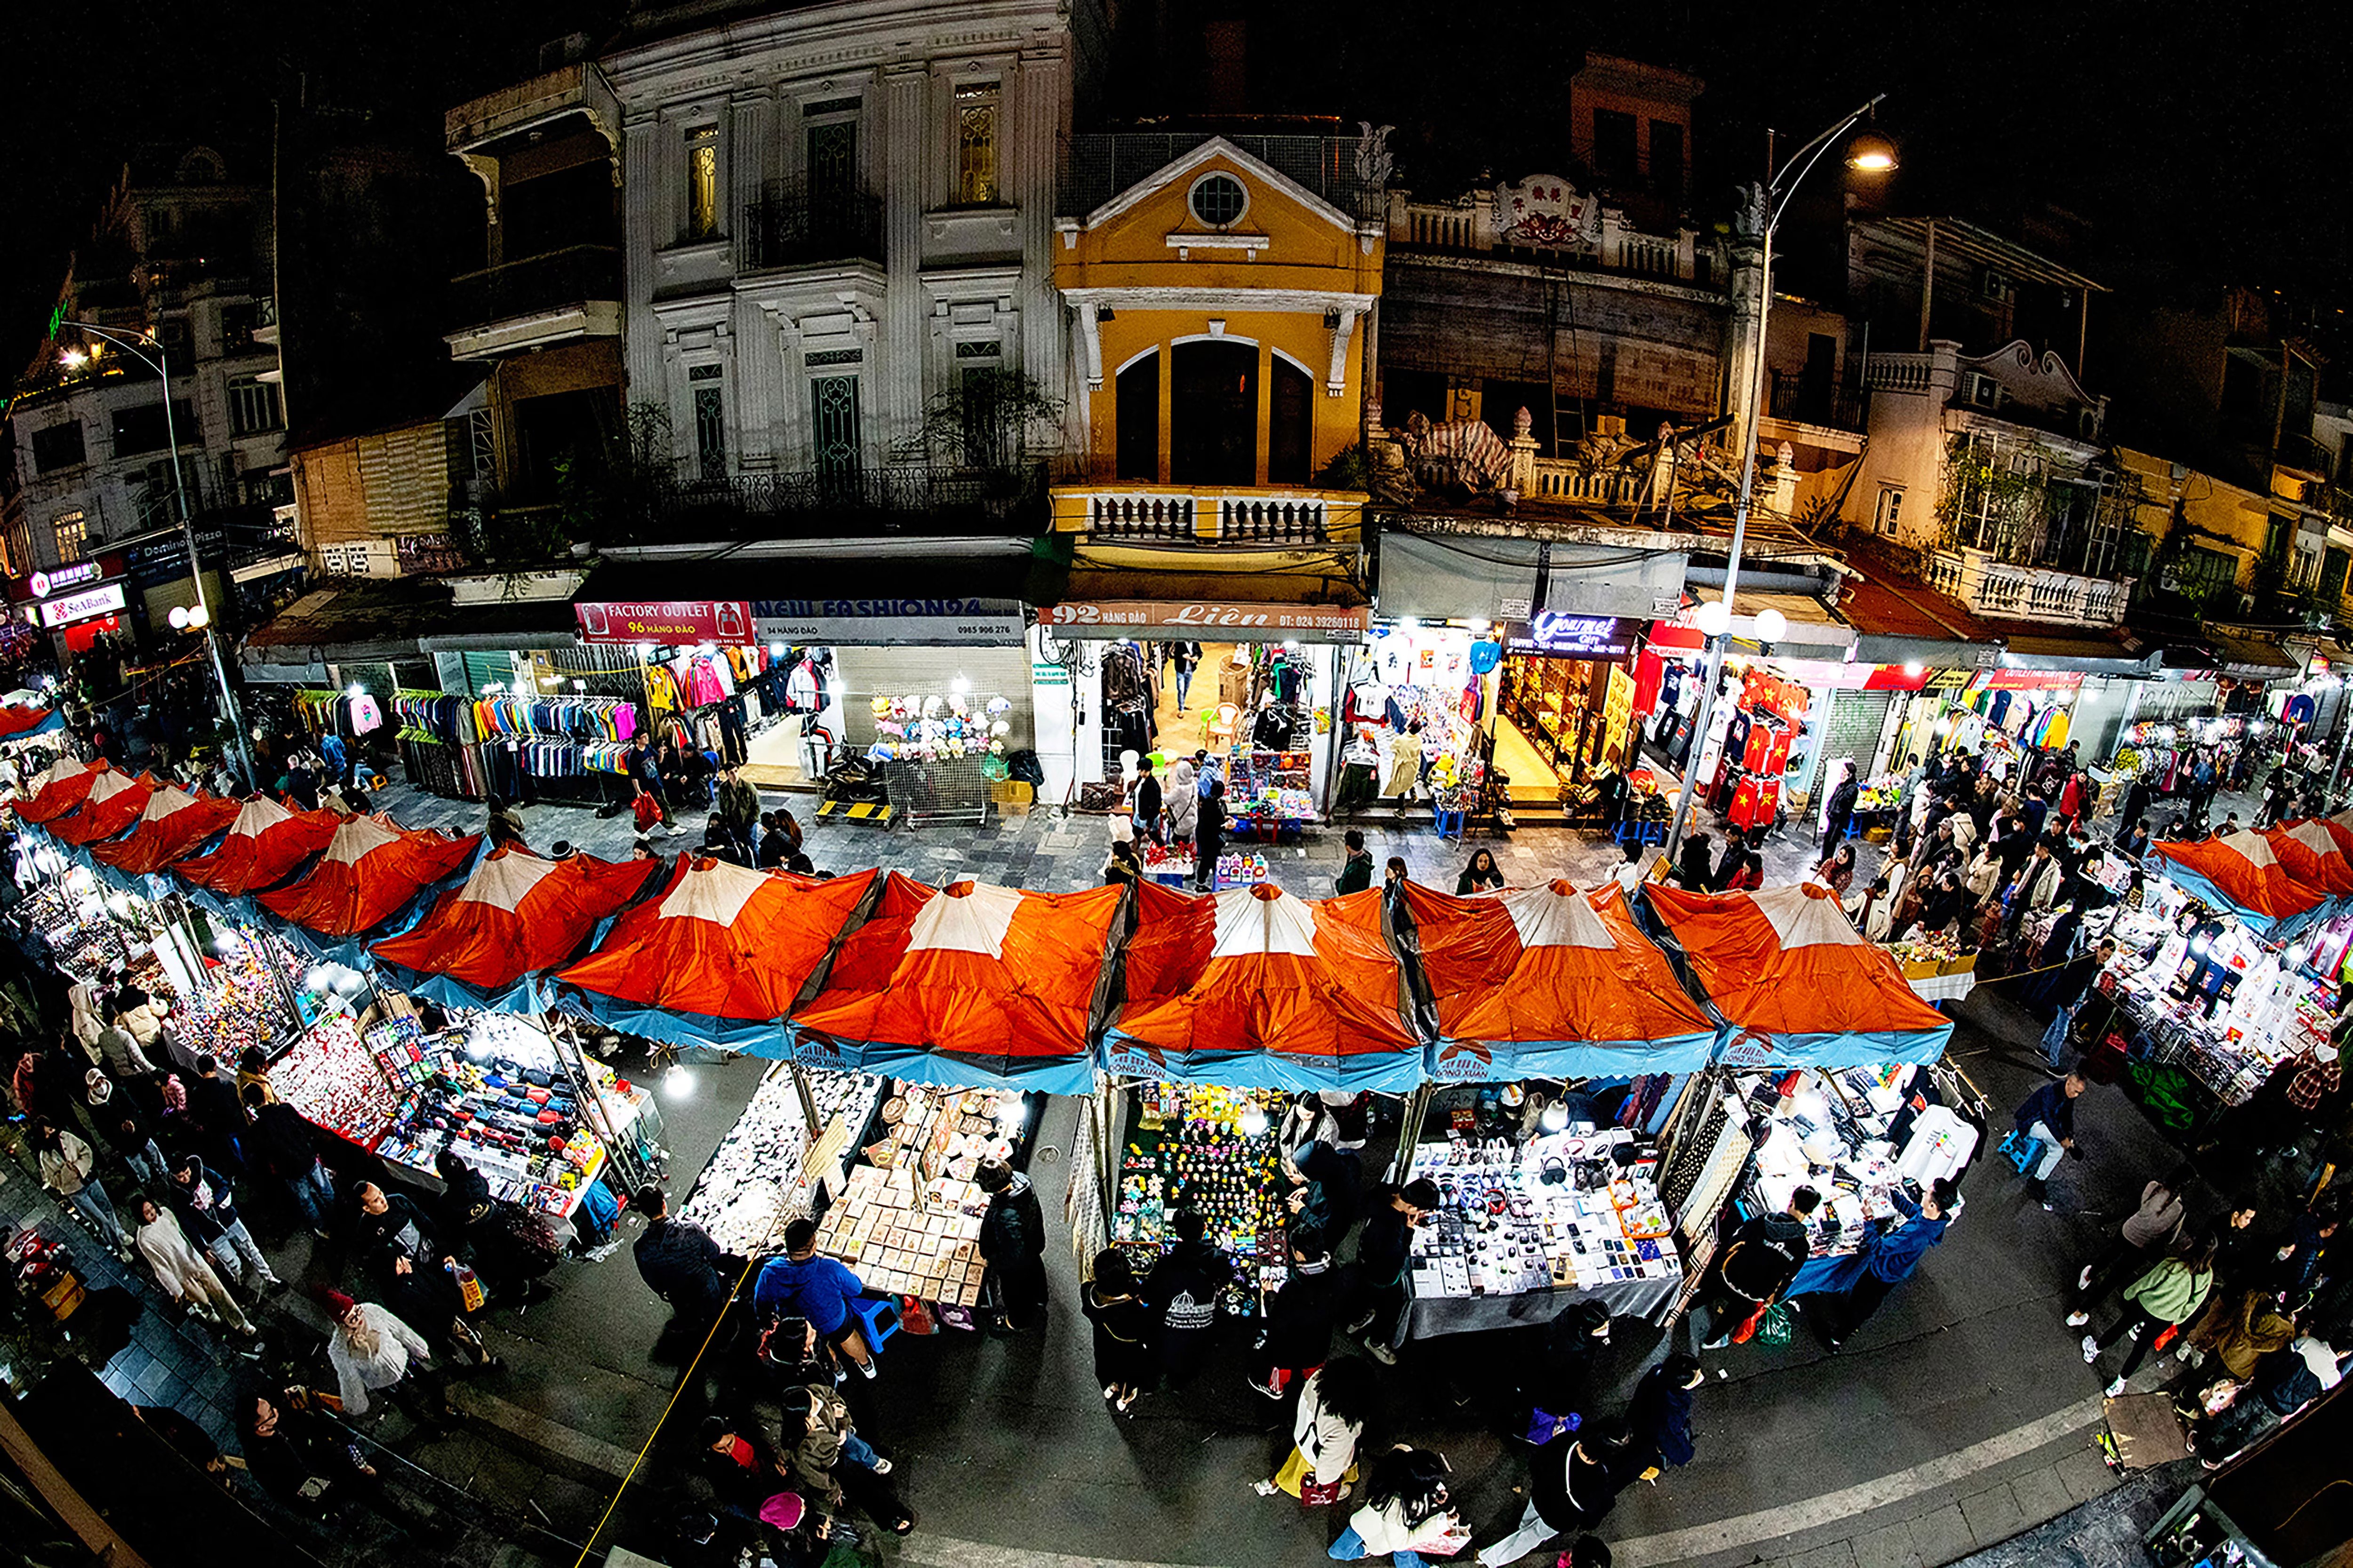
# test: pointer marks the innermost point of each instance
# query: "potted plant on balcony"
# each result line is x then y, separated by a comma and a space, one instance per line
981, 425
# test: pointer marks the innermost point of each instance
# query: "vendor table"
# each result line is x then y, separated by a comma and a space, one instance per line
1945, 987
1432, 1315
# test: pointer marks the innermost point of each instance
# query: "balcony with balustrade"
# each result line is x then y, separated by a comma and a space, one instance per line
536, 302
2000, 589
1208, 519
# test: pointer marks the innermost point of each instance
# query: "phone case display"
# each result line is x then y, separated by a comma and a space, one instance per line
493, 1090
753, 1184
332, 1080
1188, 1149
904, 1236
1556, 1213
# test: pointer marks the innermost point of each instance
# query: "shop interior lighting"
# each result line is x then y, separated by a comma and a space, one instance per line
1478, 623
775, 650
960, 686
356, 690
1555, 1117
1912, 671
1410, 624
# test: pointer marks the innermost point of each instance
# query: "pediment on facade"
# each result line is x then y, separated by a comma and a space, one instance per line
2046, 382
1216, 153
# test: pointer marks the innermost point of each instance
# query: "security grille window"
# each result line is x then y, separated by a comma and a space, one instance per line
833, 409
709, 432
1891, 509
703, 182
72, 530
975, 107
58, 446
1219, 200
252, 405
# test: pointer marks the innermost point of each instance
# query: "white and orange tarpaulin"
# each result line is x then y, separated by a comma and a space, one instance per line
58, 788
969, 985
1256, 989
113, 804
265, 845
2314, 852
719, 956
2240, 874
371, 870
483, 944
1548, 981
1796, 982
174, 826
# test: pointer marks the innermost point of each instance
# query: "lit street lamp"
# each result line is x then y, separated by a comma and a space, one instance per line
1870, 153
197, 617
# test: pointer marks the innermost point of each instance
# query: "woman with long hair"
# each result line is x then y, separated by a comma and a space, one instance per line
1407, 1511
1478, 877
1335, 1407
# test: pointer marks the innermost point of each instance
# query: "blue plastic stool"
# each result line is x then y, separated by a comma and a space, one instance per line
2019, 1150
881, 1321
1449, 824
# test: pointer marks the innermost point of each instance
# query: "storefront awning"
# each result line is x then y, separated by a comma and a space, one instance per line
368, 620
851, 600
1169, 607
2251, 658
1468, 576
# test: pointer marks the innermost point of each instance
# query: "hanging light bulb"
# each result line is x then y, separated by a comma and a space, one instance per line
1555, 1117
678, 1083
1253, 1121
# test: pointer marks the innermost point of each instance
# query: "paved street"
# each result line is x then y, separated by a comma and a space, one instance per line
1961, 1417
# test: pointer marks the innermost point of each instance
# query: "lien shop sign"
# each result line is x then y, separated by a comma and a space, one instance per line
1577, 637
104, 600
666, 621
1171, 619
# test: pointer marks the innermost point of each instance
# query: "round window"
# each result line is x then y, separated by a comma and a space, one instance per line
1219, 200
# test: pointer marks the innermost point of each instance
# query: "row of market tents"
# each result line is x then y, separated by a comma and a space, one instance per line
987, 985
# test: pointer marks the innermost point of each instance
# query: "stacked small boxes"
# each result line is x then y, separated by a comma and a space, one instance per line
930, 1251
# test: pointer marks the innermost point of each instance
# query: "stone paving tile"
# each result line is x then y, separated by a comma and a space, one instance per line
2041, 1495
1942, 1536
1835, 1554
1891, 1546
1993, 1514
2085, 1474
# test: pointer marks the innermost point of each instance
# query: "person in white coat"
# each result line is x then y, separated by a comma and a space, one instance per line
373, 1352
1407, 1512
182, 1272
1334, 1405
69, 1170
1182, 797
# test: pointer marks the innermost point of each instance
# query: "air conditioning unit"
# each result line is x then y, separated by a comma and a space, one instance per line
1995, 285
1979, 390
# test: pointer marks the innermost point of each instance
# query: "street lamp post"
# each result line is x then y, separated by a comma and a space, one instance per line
1871, 153
200, 615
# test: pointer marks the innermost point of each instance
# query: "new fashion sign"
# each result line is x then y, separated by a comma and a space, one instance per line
666, 621
931, 622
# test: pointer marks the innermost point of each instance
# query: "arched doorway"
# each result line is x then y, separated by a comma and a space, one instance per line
1213, 413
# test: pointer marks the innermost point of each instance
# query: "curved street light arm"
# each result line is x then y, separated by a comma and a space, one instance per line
1784, 185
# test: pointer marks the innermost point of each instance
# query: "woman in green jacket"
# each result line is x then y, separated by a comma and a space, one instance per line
2168, 1294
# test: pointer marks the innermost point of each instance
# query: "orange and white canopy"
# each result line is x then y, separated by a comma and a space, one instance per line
2314, 854
1256, 989
719, 957
113, 804
172, 825
370, 872
2241, 873
58, 788
971, 985
1550, 981
1797, 983
517, 915
265, 845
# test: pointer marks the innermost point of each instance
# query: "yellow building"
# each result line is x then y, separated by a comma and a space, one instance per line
1219, 308
2219, 530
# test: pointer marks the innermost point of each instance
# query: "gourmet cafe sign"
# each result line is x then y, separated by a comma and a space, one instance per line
1577, 637
1193, 619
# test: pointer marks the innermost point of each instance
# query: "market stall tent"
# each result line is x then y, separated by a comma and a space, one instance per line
371, 870
1256, 989
970, 986
58, 788
2241, 875
113, 803
1797, 984
2313, 855
265, 845
719, 957
481, 945
172, 827
1548, 981
18, 723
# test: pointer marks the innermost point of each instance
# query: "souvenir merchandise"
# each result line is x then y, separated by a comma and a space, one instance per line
1852, 1135
332, 1078
755, 1182
241, 1004
1170, 863
1267, 791
947, 1130
68, 909
493, 1090
2197, 989
904, 1235
1576, 714
1213, 1149
1241, 868
1576, 1210
934, 727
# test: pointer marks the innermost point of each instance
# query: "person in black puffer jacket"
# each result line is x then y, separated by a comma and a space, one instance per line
1183, 1288
1763, 1255
1013, 1241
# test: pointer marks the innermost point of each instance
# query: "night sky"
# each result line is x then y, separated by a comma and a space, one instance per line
2200, 143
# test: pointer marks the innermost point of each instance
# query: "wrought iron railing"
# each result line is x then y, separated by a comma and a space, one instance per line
1817, 403
548, 282
795, 225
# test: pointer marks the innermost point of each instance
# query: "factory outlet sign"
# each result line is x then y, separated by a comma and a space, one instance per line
931, 622
666, 621
65, 610
1170, 620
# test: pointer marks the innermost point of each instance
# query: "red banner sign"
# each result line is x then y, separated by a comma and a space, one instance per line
727, 621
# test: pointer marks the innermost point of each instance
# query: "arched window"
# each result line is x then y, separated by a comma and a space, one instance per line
1213, 413
1136, 419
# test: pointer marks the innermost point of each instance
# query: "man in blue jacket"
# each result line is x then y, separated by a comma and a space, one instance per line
802, 1284
2049, 1118
1887, 1260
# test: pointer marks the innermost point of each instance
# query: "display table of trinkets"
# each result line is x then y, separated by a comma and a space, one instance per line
1213, 1149
1525, 1230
